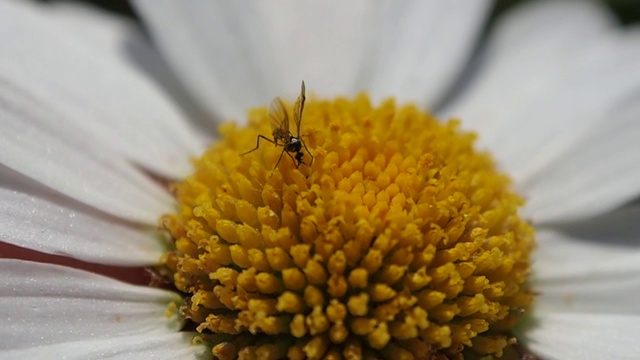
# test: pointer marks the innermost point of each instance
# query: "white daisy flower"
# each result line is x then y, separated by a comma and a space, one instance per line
89, 111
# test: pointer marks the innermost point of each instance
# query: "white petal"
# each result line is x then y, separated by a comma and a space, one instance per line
43, 304
101, 180
141, 54
590, 267
542, 34
235, 55
143, 347
418, 48
47, 222
559, 336
552, 71
598, 174
85, 72
597, 246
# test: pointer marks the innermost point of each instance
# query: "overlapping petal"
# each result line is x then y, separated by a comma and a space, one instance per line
84, 73
139, 346
234, 55
44, 221
587, 277
104, 181
43, 304
597, 175
591, 266
551, 72
583, 336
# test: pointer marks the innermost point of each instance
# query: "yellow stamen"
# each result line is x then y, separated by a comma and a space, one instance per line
398, 241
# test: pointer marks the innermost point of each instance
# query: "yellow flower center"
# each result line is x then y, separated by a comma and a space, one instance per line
398, 241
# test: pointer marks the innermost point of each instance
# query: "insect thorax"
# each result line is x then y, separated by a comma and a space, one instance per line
294, 145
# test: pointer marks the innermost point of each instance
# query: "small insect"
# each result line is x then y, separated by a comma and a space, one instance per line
281, 134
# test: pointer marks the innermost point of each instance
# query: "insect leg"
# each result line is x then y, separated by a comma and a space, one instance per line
280, 158
308, 152
296, 160
258, 144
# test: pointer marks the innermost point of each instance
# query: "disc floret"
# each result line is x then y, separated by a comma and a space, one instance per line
400, 240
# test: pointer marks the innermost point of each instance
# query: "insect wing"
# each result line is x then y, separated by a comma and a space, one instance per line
278, 117
298, 107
